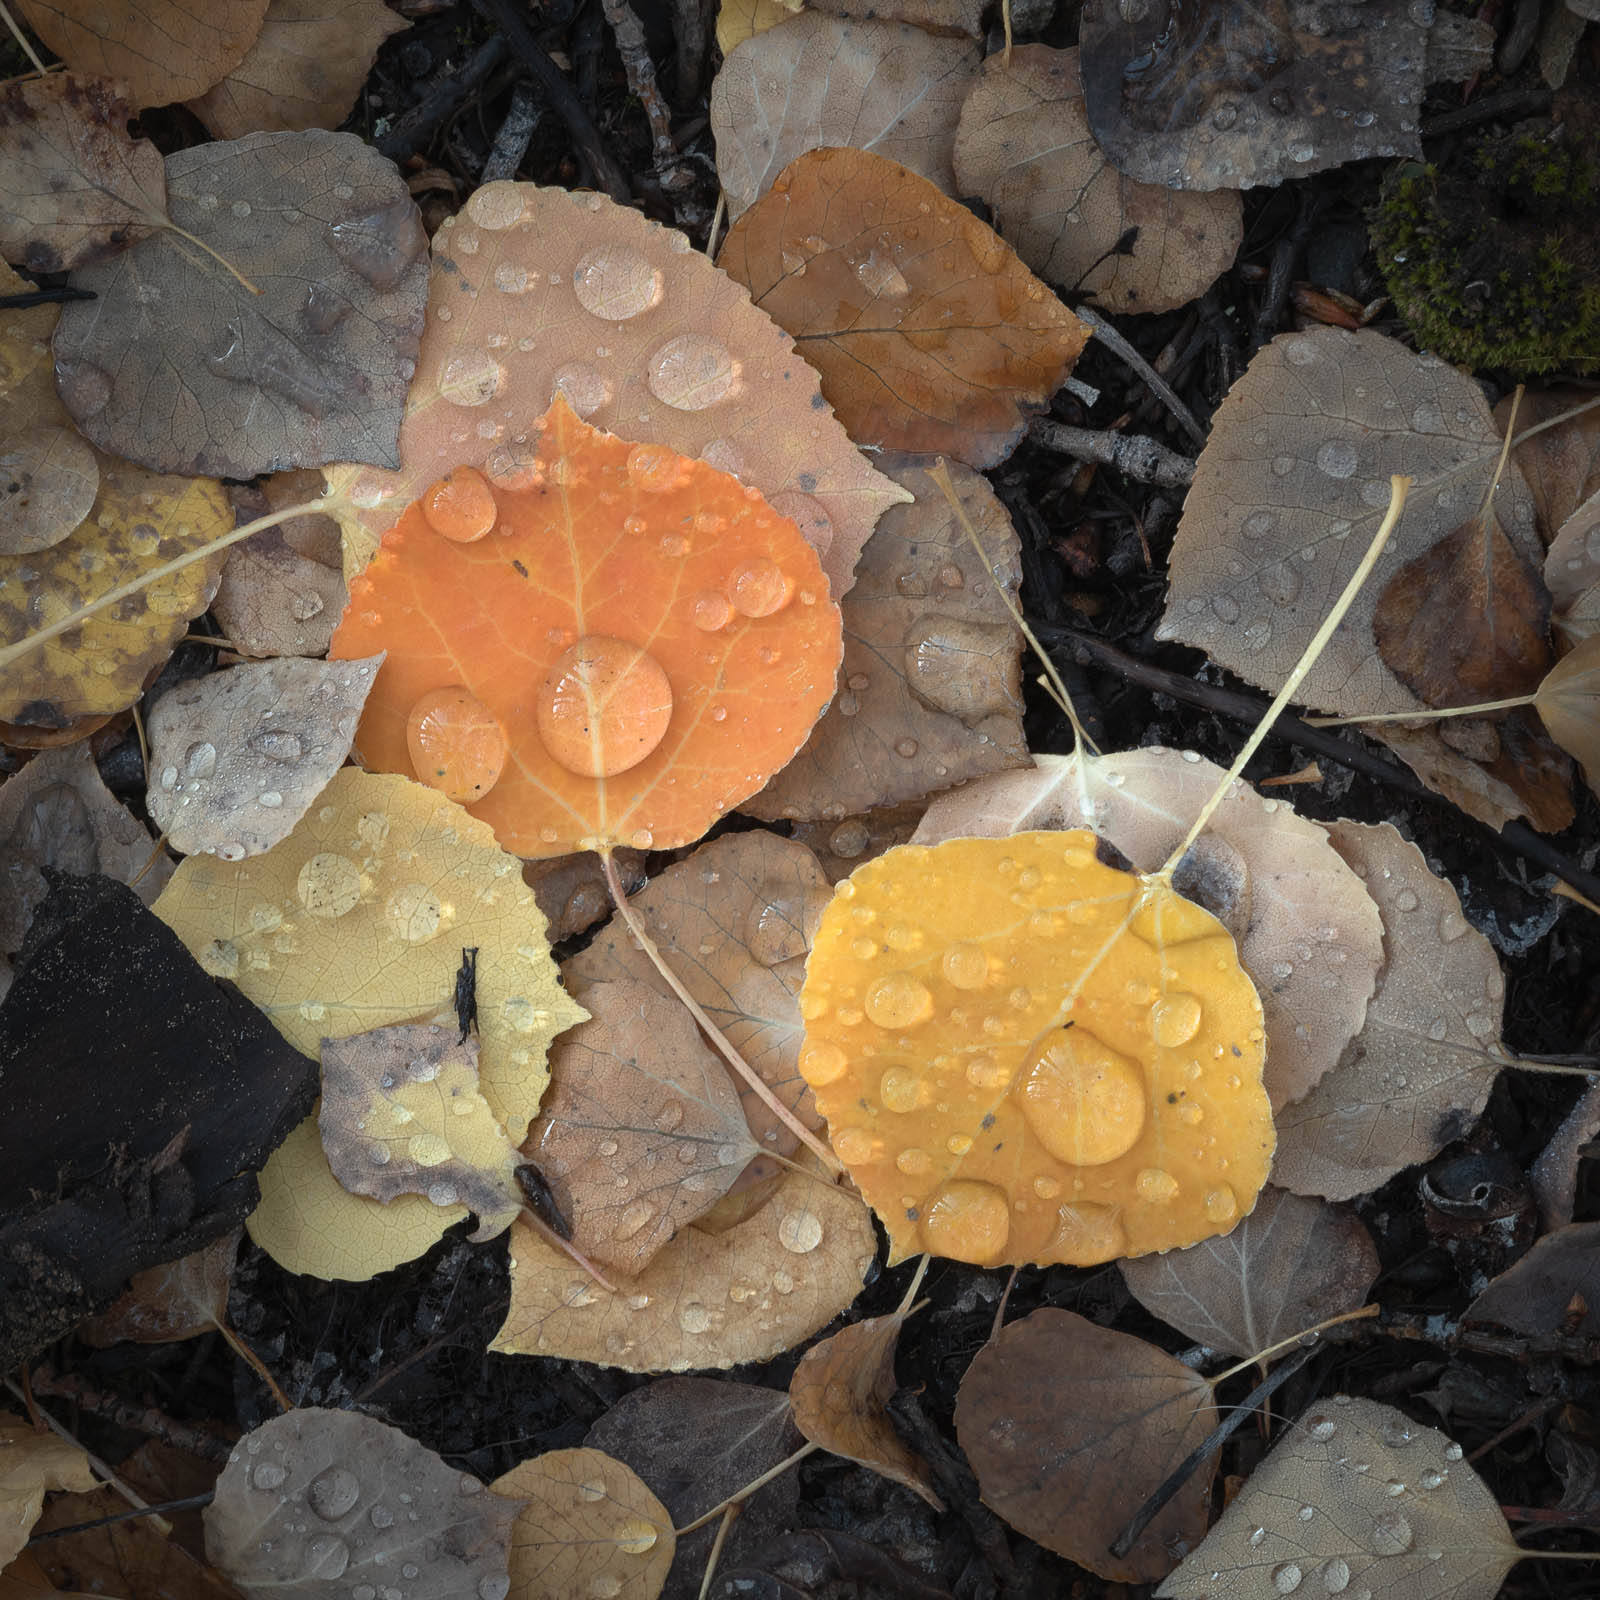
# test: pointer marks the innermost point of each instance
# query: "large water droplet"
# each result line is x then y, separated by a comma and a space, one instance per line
693, 372
327, 1556
1286, 1577
277, 745
471, 378
1175, 1019
617, 282
1085, 1102
458, 746
967, 1221
759, 588
898, 1000
604, 707
1337, 458
800, 1232
1391, 1534
333, 1493
413, 913
329, 885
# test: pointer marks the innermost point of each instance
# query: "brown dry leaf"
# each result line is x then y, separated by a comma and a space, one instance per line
933, 16
304, 70
817, 80
1553, 1177
1562, 464
56, 812
1420, 1071
1025, 148
1393, 1511
585, 1525
1568, 703
641, 1128
840, 1392
572, 890
1204, 97
1554, 1288
1572, 571
735, 922
49, 477
238, 757
402, 1114
76, 187
177, 366
1307, 931
180, 1299
26, 1579
30, 1464
529, 286
696, 1442
761, 1286
1070, 1475
841, 847
349, 1469
930, 690
1290, 1264
929, 333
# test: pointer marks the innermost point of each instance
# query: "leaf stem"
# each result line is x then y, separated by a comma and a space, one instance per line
1425, 715
254, 1362
221, 260
1305, 1334
24, 43
749, 1489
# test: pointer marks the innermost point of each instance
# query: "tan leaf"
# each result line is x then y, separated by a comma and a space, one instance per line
1025, 148
840, 847
1420, 1071
1554, 1288
1394, 1511
1561, 464
817, 80
572, 890
180, 1299
586, 1525
1568, 703
929, 333
56, 812
930, 691
383, 1505
402, 1114
76, 186
1070, 1476
1308, 933
164, 50
529, 285
30, 1464
238, 757
180, 367
735, 922
304, 70
934, 16
840, 1392
1291, 1263
642, 1125
50, 477
1553, 1177
1572, 571
761, 1286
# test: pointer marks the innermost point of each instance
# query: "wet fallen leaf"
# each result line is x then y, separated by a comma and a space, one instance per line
179, 1299
163, 50
179, 367
1204, 97
1561, 465
1554, 1288
1420, 1071
442, 1532
1308, 934
642, 1128
841, 847
1554, 1176
525, 282
1358, 1497
1071, 1476
1027, 1056
695, 1442
707, 1299
1568, 703
1291, 1263
930, 689
34, 1463
76, 186
56, 812
929, 333
673, 637
49, 476
585, 1525
1572, 571
572, 890
1024, 147
356, 921
817, 80
840, 1393
735, 922
402, 1114
237, 758
26, 1579
304, 70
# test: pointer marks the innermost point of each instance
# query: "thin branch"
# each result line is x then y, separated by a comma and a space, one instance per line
1136, 455
1153, 380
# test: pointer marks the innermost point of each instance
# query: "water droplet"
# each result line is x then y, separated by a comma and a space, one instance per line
1391, 1534
898, 1000
1286, 1577
200, 760
270, 798
1322, 1426
1337, 458
1280, 583
1084, 1101
1175, 1019
1155, 1184
604, 706
1335, 1575
276, 745
471, 378
800, 1232
635, 1536
693, 372
822, 1063
268, 1476
413, 913
712, 611
617, 282
585, 387
967, 1221
327, 1556
497, 1585
334, 1493
1221, 1204
759, 588
1430, 1478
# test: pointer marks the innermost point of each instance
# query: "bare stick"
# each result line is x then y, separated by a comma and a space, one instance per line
1260, 1357
254, 1362
1157, 385
750, 1488
1139, 457
724, 1528
641, 70
24, 44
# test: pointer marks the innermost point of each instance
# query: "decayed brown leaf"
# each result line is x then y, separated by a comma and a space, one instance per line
841, 847
839, 1393
1025, 148
1568, 703
1355, 1498
180, 367
641, 1128
1290, 1264
304, 69
930, 690
179, 1300
238, 757
1554, 1288
572, 890
1420, 1071
1572, 571
529, 286
1561, 464
929, 333
30, 1464
164, 50
1554, 1176
1070, 1475
816, 80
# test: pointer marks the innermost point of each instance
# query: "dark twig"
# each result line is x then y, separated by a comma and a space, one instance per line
142, 1419
1511, 106
516, 133
1134, 454
1516, 836
628, 31
1152, 379
447, 95
193, 1503
689, 17
44, 297
1286, 257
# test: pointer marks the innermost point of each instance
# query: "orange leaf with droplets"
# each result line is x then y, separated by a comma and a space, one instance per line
1027, 1056
653, 640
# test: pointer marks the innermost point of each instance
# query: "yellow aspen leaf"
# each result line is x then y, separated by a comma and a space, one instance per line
30, 1464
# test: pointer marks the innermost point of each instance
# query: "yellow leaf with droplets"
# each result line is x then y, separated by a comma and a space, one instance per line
1027, 1056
